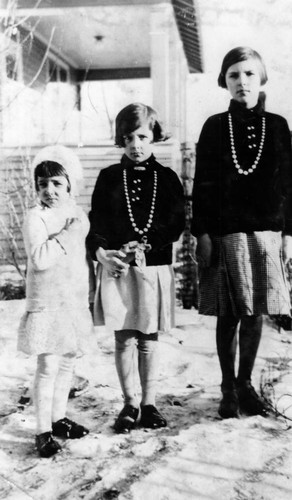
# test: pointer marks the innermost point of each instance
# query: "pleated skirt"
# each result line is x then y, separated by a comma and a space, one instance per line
142, 301
246, 276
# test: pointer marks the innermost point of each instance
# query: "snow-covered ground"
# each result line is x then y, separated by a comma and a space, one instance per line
197, 457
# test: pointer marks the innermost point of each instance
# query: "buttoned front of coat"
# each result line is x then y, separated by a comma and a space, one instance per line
111, 226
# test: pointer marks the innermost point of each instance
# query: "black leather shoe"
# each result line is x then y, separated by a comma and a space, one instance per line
126, 419
46, 445
67, 429
250, 402
228, 407
151, 418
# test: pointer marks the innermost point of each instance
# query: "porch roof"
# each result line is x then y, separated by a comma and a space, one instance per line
108, 38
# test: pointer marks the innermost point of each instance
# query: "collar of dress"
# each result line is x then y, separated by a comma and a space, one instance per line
132, 165
243, 114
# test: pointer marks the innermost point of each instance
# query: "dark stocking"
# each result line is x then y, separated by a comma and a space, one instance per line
249, 338
226, 349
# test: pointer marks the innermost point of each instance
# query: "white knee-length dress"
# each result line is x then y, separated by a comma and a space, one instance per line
57, 318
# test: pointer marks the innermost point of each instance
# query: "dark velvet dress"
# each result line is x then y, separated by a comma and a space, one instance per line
141, 299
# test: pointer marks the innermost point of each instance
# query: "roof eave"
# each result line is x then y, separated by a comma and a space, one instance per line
187, 20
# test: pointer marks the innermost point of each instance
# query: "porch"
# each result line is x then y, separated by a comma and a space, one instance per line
67, 68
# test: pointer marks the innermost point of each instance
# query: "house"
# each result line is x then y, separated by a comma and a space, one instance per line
52, 50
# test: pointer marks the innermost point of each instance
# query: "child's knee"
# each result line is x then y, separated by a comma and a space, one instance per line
148, 343
125, 339
48, 365
67, 363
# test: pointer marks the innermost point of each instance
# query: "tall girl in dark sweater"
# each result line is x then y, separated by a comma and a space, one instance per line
242, 218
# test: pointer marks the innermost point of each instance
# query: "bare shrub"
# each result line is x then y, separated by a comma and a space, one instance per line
17, 196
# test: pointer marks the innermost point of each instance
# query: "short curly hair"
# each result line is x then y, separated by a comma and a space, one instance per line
237, 55
134, 116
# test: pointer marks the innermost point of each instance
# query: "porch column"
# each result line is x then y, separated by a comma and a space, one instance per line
169, 70
160, 59
183, 77
174, 81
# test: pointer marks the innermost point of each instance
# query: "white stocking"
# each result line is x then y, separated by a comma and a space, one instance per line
47, 369
148, 367
51, 388
62, 386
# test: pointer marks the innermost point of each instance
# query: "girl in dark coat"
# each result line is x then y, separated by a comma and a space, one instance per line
137, 213
242, 218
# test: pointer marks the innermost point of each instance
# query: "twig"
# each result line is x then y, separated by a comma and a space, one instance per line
12, 483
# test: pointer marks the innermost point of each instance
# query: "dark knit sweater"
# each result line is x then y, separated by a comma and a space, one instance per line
109, 218
225, 201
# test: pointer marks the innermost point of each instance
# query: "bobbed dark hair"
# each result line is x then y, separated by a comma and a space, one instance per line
134, 116
237, 55
50, 169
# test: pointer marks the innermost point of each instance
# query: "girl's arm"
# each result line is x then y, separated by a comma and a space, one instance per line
284, 153
75, 228
112, 261
204, 250
205, 196
96, 241
42, 250
98, 217
285, 156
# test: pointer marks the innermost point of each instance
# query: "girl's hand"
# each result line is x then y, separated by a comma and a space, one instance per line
129, 249
204, 250
287, 250
135, 250
112, 261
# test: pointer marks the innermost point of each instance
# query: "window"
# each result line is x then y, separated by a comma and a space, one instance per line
13, 61
57, 73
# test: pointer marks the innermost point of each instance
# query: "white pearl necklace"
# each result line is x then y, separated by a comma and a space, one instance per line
252, 168
152, 208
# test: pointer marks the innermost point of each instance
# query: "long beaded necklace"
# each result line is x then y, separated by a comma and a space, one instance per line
152, 207
252, 168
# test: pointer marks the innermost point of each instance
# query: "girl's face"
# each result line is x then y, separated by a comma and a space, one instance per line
138, 144
53, 191
243, 81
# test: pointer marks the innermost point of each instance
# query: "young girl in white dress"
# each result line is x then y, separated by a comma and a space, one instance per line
57, 324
